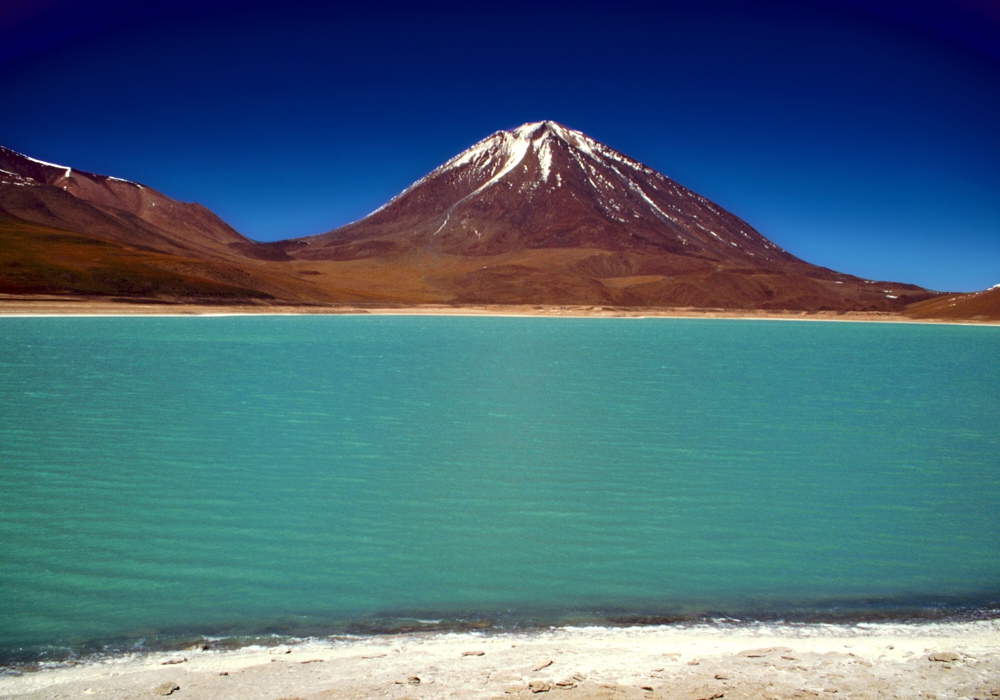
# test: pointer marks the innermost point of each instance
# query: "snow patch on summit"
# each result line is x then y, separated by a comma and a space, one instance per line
514, 149
467, 156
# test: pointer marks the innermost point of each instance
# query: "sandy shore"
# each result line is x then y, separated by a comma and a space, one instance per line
927, 660
65, 306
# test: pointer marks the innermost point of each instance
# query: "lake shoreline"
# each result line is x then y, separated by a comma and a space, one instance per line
769, 661
294, 629
14, 306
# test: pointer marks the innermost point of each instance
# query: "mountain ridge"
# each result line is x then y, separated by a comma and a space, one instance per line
540, 214
159, 246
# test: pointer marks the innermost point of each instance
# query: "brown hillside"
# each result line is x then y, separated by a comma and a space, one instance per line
40, 259
978, 306
116, 210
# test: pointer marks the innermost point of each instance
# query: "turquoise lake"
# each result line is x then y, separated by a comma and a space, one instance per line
237, 475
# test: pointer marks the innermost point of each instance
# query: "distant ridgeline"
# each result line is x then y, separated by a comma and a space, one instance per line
538, 215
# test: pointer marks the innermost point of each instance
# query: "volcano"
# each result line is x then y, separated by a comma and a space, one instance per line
545, 214
545, 186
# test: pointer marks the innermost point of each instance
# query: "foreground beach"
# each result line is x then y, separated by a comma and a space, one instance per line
925, 660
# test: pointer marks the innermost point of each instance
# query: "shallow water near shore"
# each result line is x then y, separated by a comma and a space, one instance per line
173, 477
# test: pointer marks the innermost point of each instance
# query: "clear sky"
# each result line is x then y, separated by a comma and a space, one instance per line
859, 135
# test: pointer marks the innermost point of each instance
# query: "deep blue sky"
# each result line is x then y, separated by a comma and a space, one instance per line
859, 135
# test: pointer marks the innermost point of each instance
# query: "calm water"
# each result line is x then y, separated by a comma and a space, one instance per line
176, 475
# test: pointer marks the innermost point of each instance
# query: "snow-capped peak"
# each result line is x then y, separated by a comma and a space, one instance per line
538, 132
501, 152
541, 182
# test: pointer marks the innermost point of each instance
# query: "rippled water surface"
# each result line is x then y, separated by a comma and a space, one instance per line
172, 475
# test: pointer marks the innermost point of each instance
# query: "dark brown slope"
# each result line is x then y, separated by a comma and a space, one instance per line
544, 214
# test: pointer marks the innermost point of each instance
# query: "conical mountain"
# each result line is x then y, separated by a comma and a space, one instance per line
545, 214
545, 186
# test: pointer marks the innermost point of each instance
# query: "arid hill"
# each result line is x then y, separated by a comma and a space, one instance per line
978, 306
63, 230
538, 215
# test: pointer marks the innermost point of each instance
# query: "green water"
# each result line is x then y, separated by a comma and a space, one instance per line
190, 475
